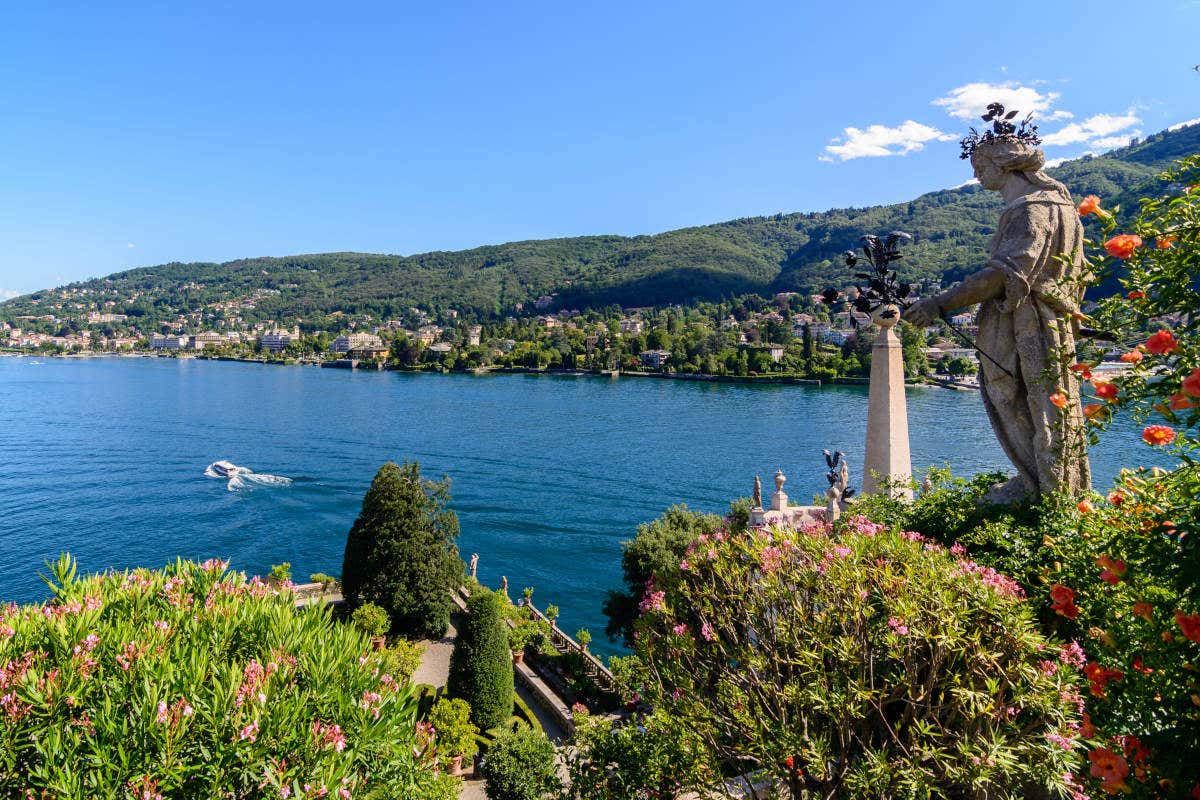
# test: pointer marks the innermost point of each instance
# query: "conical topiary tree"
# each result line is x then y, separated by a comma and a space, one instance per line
401, 552
481, 670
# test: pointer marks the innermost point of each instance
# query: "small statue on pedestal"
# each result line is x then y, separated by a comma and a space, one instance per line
474, 564
757, 492
839, 484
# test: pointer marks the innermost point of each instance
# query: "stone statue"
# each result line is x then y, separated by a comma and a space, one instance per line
839, 482
757, 492
504, 584
1026, 325
474, 564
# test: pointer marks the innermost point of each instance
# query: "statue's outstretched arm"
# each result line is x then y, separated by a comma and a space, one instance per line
983, 285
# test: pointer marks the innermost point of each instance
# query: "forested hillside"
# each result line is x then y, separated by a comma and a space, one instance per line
759, 254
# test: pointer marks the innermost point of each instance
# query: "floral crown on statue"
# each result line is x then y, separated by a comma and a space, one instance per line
1003, 130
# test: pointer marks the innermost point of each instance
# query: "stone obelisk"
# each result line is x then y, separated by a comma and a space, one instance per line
887, 453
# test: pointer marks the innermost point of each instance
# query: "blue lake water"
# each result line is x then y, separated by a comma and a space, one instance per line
105, 458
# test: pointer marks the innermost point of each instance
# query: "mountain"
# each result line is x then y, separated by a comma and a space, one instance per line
785, 252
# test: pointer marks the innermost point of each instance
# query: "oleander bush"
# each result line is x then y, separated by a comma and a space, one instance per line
481, 668
867, 663
192, 679
643, 757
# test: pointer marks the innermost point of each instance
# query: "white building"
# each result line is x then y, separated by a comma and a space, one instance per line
277, 339
160, 342
348, 342
632, 326
473, 334
200, 340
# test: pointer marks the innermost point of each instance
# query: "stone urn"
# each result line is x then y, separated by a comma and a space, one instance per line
456, 766
379, 642
518, 656
886, 316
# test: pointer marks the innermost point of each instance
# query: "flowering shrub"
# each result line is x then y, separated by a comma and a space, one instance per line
170, 683
1106, 572
646, 756
1136, 568
864, 664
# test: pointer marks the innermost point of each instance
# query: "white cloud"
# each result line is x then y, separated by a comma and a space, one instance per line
8, 294
1184, 124
1092, 129
131, 245
1055, 162
1060, 114
1109, 142
971, 100
971, 182
880, 140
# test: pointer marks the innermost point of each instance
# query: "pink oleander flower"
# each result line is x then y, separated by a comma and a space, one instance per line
87, 644
653, 601
680, 630
371, 701
707, 632
897, 625
772, 559
249, 733
329, 735
1072, 655
1047, 667
1066, 742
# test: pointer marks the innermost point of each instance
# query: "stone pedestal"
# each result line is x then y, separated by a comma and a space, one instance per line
887, 451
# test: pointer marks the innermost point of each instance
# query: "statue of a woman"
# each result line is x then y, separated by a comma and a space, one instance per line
1027, 329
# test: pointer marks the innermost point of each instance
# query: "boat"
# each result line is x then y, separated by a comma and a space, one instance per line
224, 469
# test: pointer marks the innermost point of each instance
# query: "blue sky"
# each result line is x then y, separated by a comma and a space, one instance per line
140, 133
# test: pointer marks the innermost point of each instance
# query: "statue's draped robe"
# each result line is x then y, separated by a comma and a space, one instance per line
1030, 331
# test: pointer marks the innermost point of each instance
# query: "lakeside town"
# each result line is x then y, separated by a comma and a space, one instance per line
790, 335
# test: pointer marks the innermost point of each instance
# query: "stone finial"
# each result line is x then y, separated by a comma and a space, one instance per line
779, 500
757, 492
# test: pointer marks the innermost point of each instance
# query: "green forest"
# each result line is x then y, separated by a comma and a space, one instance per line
754, 255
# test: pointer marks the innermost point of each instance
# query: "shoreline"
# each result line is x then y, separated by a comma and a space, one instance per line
781, 380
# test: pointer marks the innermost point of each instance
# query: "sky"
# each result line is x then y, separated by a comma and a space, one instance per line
134, 134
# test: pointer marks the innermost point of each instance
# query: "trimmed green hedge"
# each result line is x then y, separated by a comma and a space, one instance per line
481, 669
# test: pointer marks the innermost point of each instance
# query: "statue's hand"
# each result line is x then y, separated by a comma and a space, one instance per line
922, 313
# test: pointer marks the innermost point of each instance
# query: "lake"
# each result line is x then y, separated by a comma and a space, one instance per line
105, 458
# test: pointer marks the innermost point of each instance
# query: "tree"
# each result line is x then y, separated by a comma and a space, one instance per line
401, 553
654, 551
481, 669
959, 366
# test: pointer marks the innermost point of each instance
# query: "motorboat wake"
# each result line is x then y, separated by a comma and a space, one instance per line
243, 477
